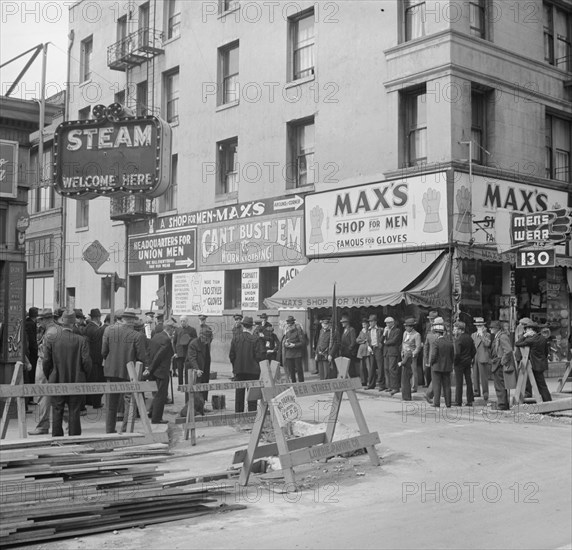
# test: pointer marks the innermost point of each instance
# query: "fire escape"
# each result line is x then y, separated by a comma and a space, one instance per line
131, 51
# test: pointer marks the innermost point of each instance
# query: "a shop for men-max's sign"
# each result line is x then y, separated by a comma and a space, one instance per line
112, 157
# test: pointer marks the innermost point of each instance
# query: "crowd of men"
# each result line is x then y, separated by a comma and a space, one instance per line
66, 347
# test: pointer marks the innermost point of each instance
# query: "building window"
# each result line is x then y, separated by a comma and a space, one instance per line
228, 5
301, 138
268, 283
228, 71
40, 254
105, 292
415, 130
477, 20
40, 292
227, 163
558, 36
173, 19
302, 39
558, 148
143, 25
85, 59
414, 19
233, 289
82, 214
172, 96
168, 201
84, 114
135, 291
142, 92
42, 196
478, 126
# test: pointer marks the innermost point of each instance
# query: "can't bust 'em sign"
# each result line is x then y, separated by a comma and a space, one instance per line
112, 156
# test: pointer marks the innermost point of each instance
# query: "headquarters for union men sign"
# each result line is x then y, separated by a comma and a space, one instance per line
112, 157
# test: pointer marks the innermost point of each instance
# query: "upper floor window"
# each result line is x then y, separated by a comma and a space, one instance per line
142, 90
415, 126
558, 36
302, 40
173, 19
119, 97
227, 163
478, 125
477, 18
85, 59
83, 114
414, 19
171, 85
82, 214
558, 148
228, 84
168, 201
301, 140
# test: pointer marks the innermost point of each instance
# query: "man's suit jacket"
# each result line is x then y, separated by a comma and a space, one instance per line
161, 352
392, 343
183, 337
483, 346
442, 354
196, 355
348, 344
67, 358
538, 351
94, 340
121, 343
501, 351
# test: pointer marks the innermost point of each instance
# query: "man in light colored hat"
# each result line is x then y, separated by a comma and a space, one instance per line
50, 332
292, 352
482, 363
465, 351
161, 352
538, 355
429, 342
501, 358
441, 359
391, 354
410, 349
67, 361
121, 344
429, 336
375, 339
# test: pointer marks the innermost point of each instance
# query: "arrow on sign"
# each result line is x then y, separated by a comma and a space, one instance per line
188, 262
284, 204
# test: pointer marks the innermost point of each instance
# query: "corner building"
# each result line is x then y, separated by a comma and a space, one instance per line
364, 143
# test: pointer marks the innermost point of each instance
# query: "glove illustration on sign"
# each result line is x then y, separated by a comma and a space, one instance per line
196, 283
561, 225
316, 220
431, 200
463, 198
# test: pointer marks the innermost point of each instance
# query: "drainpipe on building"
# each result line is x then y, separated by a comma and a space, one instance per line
62, 295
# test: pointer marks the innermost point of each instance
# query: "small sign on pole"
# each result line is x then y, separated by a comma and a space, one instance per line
95, 255
286, 408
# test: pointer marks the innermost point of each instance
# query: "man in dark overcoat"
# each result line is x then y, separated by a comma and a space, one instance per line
501, 358
184, 334
94, 338
375, 339
392, 341
292, 350
67, 361
465, 352
441, 358
349, 345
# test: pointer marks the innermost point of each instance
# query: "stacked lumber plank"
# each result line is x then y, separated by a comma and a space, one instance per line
70, 487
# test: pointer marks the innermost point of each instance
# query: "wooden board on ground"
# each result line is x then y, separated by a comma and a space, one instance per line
565, 377
547, 406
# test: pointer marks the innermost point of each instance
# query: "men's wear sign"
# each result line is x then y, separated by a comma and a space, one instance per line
378, 217
250, 289
164, 253
198, 293
8, 169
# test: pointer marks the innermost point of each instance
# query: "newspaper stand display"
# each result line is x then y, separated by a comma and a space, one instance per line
228, 419
296, 451
20, 391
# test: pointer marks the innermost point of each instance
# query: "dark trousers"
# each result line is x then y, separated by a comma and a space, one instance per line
481, 379
325, 369
240, 393
406, 372
541, 383
392, 371
294, 366
365, 368
500, 390
179, 363
113, 400
159, 399
96, 375
377, 374
75, 403
465, 372
427, 375
441, 381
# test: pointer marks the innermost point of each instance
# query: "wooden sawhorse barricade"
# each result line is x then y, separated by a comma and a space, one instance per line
16, 389
218, 419
565, 377
302, 450
524, 371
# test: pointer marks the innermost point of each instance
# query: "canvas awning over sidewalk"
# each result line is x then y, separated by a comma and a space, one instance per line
361, 281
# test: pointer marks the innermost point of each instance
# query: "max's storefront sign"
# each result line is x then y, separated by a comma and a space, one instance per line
108, 158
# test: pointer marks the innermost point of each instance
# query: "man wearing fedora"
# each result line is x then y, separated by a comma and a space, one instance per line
94, 339
184, 335
246, 351
67, 361
430, 340
391, 354
161, 353
465, 351
410, 349
50, 332
441, 358
430, 337
538, 355
482, 340
326, 349
375, 339
121, 344
348, 345
292, 350
501, 359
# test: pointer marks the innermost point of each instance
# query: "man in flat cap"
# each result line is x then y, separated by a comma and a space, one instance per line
264, 323
67, 361
326, 349
482, 363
